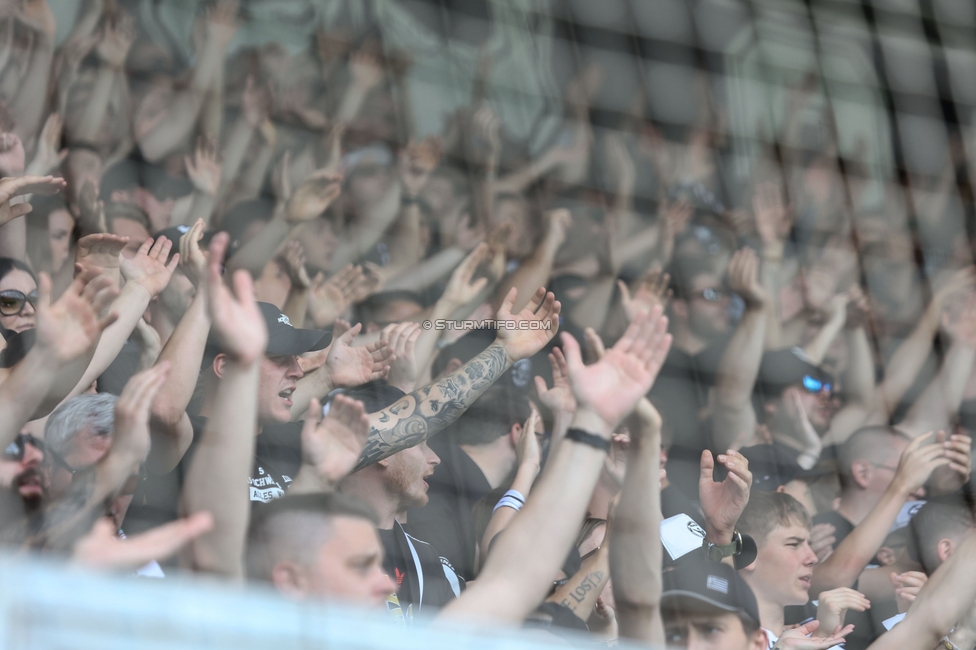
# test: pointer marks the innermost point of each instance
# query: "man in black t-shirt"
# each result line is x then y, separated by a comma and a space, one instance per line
423, 578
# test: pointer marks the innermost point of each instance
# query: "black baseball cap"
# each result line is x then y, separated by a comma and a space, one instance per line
284, 339
775, 465
706, 587
780, 369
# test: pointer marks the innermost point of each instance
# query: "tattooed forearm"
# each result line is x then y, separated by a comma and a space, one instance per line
430, 409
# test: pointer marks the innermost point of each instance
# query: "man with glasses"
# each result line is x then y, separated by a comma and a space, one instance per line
20, 470
794, 399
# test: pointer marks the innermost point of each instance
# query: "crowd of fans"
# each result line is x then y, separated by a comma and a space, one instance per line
253, 322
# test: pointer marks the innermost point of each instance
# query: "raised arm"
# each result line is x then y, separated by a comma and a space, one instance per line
848, 560
905, 363
943, 601
938, 404
27, 106
158, 135
518, 574
859, 380
739, 366
635, 554
146, 275
112, 50
308, 201
430, 409
184, 354
535, 271
217, 477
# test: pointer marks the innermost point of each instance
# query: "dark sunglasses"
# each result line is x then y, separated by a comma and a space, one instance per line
814, 385
12, 301
15, 450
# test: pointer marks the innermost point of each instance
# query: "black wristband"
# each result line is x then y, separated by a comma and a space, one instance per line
406, 199
587, 438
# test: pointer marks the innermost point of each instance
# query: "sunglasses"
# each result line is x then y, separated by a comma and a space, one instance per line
61, 462
15, 450
814, 385
711, 295
12, 301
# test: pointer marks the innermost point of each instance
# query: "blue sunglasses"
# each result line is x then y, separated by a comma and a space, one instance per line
814, 385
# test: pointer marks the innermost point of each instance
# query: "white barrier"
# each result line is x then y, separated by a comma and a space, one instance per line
51, 607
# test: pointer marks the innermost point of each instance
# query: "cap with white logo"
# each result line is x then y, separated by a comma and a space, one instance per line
708, 587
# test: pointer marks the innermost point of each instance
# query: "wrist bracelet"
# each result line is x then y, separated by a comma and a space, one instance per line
587, 438
512, 499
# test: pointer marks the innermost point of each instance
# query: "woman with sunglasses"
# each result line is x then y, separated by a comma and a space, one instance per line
18, 297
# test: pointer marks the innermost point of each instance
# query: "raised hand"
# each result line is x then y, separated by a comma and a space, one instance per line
37, 15
461, 288
71, 326
822, 540
329, 298
907, 585
49, 155
130, 440
148, 268
525, 333
204, 168
744, 278
116, 40
313, 196
958, 449
723, 502
918, 461
652, 289
833, 605
91, 211
101, 253
102, 548
528, 451
797, 639
255, 102
293, 257
12, 156
558, 223
222, 22
560, 396
402, 339
193, 261
237, 321
352, 366
21, 185
608, 390
366, 68
331, 446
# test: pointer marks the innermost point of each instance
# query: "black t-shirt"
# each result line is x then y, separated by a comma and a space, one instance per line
424, 579
277, 459
681, 391
447, 521
842, 527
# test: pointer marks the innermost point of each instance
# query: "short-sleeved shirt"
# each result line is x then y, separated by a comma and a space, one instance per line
277, 459
447, 522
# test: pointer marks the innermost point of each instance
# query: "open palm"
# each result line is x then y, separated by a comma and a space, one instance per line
612, 386
332, 446
525, 333
149, 267
69, 327
237, 320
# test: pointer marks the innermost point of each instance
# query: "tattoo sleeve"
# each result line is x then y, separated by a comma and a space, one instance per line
430, 409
